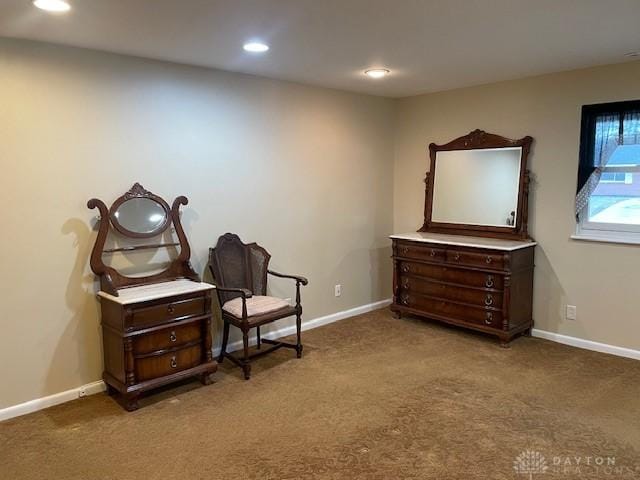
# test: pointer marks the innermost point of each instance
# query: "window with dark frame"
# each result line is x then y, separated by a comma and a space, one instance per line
608, 192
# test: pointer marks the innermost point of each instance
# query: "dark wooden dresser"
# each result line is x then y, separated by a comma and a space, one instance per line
156, 328
484, 284
154, 335
471, 262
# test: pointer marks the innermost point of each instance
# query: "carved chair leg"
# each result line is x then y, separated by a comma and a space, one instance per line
246, 366
225, 340
258, 337
298, 321
299, 337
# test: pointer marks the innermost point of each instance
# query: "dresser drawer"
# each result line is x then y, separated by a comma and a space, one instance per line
471, 296
164, 312
473, 259
458, 276
172, 362
167, 338
420, 252
453, 311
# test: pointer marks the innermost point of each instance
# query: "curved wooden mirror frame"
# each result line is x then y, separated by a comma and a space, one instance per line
479, 139
139, 192
110, 279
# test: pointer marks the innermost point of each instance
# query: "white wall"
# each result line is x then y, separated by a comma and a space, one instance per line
306, 172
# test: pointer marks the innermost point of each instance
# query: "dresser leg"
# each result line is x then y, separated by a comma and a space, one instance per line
505, 343
205, 379
397, 314
111, 391
130, 402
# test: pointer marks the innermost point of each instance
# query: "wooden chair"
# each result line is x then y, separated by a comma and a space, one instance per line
240, 271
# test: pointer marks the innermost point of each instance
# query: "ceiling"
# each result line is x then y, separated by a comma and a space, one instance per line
429, 45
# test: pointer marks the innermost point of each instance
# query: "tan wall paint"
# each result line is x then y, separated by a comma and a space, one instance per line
306, 172
601, 279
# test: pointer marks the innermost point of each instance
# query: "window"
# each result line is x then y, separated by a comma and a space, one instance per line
617, 177
608, 195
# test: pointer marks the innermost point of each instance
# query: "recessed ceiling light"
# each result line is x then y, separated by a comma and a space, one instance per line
377, 72
52, 5
255, 47
632, 54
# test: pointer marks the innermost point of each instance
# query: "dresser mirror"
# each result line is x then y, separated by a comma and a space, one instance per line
478, 185
140, 216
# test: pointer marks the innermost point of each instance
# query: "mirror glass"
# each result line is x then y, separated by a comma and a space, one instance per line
141, 215
477, 187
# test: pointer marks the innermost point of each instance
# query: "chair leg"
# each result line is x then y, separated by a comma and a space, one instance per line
258, 337
246, 366
299, 339
225, 340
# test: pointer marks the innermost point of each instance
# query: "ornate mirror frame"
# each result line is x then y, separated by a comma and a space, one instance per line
479, 139
138, 191
110, 279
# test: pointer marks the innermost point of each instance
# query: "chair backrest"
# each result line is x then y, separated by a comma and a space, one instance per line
239, 265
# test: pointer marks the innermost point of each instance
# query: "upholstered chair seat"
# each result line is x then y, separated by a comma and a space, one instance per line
256, 305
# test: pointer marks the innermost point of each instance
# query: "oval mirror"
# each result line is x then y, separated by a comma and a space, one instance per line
140, 217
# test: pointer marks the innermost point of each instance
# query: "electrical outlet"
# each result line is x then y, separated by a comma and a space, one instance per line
571, 312
338, 290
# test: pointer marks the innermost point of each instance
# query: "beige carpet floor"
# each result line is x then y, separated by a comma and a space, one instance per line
373, 398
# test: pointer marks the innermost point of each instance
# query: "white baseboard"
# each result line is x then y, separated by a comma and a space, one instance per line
99, 386
51, 400
587, 344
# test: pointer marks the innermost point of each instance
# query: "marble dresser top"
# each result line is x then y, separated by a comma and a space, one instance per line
464, 241
144, 293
